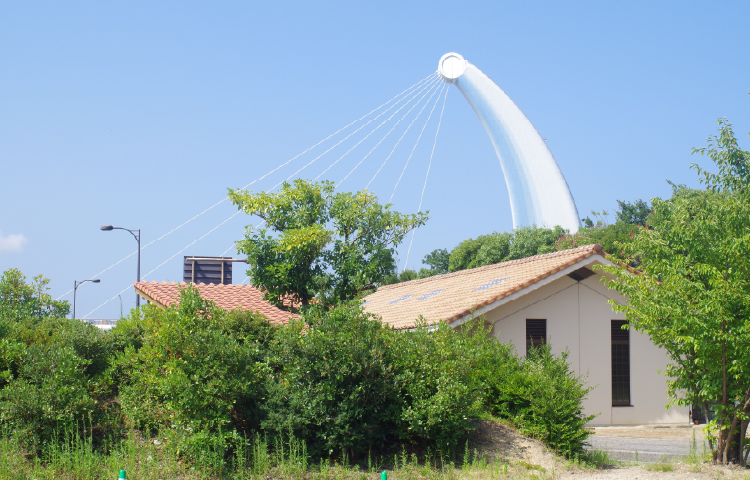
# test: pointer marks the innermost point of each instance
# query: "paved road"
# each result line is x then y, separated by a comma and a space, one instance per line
649, 449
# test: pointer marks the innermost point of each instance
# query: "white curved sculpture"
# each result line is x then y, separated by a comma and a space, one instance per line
539, 194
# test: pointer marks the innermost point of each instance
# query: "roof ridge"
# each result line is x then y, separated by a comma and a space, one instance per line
227, 296
226, 285
594, 246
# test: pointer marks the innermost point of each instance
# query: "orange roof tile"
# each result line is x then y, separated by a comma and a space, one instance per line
228, 297
453, 296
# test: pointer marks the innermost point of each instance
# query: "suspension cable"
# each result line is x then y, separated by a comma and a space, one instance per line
426, 176
433, 90
402, 137
415, 145
301, 169
366, 136
387, 134
428, 79
170, 258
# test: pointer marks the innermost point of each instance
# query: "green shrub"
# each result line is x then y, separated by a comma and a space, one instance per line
50, 394
86, 340
198, 367
340, 384
543, 398
20, 300
336, 386
52, 377
444, 388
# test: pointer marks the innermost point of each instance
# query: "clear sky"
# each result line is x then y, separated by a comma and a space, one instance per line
141, 114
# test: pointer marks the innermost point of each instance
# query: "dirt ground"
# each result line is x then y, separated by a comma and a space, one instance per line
639, 472
500, 442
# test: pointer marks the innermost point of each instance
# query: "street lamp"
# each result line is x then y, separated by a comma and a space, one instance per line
75, 289
137, 237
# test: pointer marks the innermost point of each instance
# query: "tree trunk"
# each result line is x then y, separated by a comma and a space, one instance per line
733, 448
743, 433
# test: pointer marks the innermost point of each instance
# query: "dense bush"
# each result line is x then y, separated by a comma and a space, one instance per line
445, 381
208, 379
352, 385
53, 377
337, 386
198, 368
543, 398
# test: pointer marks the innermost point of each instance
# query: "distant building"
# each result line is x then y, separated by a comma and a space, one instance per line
101, 323
558, 298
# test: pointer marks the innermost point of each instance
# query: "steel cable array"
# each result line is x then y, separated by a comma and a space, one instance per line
428, 83
416, 85
429, 165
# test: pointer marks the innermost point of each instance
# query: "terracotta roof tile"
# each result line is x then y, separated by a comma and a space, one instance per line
228, 297
453, 296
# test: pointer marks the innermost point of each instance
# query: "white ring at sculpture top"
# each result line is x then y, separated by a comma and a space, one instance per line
451, 66
539, 194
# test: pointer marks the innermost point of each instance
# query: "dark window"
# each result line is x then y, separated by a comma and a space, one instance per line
580, 274
620, 363
536, 333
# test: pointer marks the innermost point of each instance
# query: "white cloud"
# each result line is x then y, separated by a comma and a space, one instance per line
12, 243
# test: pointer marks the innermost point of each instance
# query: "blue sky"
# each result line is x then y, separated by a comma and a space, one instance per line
141, 114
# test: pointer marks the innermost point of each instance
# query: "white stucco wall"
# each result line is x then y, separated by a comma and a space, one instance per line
579, 318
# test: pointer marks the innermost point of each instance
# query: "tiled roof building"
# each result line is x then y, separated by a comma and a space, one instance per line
228, 297
556, 298
453, 296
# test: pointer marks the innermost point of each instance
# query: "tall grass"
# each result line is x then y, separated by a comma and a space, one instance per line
696, 458
74, 456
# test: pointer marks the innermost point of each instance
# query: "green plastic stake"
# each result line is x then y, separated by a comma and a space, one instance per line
122, 475
384, 475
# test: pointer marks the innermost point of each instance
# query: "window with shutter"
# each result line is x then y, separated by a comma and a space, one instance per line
620, 364
536, 333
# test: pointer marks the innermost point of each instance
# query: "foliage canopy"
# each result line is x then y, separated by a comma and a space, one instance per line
321, 244
692, 296
501, 247
342, 383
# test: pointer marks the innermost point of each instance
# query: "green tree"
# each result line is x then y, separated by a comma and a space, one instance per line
438, 261
692, 295
327, 245
501, 247
629, 216
633, 213
21, 300
463, 255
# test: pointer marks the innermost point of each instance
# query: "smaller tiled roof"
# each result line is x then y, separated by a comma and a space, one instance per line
228, 297
453, 296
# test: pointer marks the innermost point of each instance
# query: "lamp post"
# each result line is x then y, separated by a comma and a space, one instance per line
137, 237
75, 289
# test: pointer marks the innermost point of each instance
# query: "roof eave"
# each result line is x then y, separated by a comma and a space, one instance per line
149, 298
597, 257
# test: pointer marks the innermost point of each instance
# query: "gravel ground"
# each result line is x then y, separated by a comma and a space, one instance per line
501, 442
644, 449
649, 443
680, 431
639, 472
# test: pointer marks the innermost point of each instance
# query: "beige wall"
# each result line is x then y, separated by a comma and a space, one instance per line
578, 317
